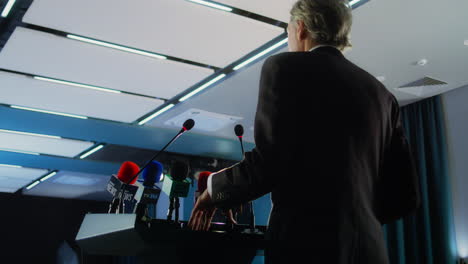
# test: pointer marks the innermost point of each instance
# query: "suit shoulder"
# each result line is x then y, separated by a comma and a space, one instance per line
284, 61
285, 57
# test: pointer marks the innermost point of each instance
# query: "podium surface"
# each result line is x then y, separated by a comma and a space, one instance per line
125, 235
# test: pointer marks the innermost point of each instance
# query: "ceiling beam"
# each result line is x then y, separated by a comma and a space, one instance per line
101, 131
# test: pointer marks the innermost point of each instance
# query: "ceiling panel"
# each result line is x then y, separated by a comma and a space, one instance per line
21, 90
58, 57
172, 27
73, 185
10, 140
278, 9
13, 178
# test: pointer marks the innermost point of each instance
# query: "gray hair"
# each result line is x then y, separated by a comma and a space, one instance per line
328, 21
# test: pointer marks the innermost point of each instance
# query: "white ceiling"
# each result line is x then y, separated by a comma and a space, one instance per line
73, 100
278, 10
42, 144
49, 55
13, 178
390, 37
172, 27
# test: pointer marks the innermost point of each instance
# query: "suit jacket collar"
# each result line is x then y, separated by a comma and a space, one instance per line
327, 49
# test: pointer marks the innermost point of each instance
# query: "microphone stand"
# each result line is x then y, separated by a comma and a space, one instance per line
177, 206
239, 131
171, 209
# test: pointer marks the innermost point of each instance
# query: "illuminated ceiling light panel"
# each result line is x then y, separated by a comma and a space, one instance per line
260, 54
353, 2
15, 177
76, 102
47, 112
44, 145
201, 34
202, 87
117, 47
28, 134
213, 5
48, 176
88, 66
72, 185
76, 84
91, 151
146, 120
7, 8
279, 10
32, 185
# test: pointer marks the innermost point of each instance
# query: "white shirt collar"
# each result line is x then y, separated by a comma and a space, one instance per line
319, 46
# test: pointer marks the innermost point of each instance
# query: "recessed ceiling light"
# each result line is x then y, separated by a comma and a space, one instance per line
28, 134
422, 62
47, 112
210, 4
48, 176
466, 42
91, 151
76, 84
29, 187
276, 45
117, 47
144, 121
20, 151
10, 166
217, 78
7, 8
353, 2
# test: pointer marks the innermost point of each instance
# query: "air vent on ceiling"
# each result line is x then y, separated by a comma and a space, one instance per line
424, 87
426, 81
204, 120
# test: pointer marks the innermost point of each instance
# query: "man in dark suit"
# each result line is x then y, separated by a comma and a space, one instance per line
330, 148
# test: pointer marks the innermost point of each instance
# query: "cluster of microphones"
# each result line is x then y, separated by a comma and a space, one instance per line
126, 190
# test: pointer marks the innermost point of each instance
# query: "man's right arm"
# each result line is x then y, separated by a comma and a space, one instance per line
398, 190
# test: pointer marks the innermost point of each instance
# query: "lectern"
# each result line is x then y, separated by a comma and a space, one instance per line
162, 241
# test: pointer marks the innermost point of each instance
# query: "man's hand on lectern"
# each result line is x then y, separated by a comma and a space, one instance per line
203, 212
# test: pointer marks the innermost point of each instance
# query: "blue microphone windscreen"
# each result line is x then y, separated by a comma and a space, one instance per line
152, 173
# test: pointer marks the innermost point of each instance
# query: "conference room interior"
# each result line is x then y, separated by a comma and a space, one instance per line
88, 85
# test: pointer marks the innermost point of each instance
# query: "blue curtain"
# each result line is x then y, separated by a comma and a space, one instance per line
427, 236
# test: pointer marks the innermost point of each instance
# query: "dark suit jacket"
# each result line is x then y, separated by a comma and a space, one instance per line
331, 149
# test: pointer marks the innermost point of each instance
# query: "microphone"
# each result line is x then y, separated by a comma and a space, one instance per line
175, 186
188, 124
239, 131
202, 183
116, 183
150, 194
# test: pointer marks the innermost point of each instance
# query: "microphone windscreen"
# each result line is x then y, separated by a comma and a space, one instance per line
152, 174
179, 171
239, 130
202, 180
188, 124
127, 170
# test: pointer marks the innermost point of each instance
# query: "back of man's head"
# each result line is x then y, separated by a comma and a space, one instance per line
327, 21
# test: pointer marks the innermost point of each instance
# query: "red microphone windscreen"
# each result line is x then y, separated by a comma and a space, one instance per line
127, 171
202, 180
